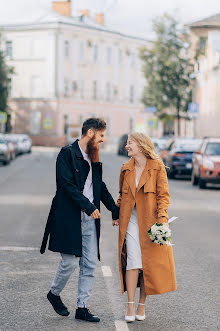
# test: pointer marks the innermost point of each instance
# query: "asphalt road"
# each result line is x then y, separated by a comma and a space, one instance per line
26, 189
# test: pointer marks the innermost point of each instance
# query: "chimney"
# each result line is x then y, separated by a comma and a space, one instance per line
84, 12
62, 7
99, 18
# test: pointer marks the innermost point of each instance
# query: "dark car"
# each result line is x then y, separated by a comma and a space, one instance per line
206, 163
121, 145
179, 157
5, 156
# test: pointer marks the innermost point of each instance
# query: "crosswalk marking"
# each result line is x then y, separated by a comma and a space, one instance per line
18, 249
121, 326
106, 270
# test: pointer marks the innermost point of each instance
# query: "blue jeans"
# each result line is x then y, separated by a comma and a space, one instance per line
87, 264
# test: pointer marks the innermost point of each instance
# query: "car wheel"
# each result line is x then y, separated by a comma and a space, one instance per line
6, 162
194, 179
202, 183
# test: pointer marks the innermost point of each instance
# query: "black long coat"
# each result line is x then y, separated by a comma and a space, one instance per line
64, 221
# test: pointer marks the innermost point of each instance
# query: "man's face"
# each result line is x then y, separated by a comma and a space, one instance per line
98, 137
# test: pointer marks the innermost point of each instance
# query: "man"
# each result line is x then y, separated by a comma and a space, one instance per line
73, 223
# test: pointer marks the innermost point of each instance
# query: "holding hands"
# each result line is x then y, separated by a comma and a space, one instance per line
115, 222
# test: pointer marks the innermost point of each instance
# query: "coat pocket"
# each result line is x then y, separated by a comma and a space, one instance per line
150, 187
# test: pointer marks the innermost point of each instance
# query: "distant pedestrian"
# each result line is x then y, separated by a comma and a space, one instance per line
73, 225
143, 201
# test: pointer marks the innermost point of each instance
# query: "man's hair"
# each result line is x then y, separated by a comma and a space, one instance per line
97, 124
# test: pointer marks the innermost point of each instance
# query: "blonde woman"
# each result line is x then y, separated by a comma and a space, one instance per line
143, 200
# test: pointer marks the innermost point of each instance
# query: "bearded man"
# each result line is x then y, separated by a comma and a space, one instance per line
73, 224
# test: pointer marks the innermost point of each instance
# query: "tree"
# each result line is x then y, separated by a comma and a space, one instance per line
5, 81
167, 68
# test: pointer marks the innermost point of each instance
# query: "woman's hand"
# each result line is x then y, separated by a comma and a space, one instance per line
115, 222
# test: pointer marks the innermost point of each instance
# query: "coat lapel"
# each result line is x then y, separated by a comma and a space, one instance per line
146, 174
129, 167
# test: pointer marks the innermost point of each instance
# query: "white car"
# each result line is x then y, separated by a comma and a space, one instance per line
5, 156
24, 143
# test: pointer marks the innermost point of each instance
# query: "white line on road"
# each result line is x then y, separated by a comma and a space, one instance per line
121, 326
18, 249
25, 199
106, 270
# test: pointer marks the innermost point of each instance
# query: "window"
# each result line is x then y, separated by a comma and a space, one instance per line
35, 122
108, 55
36, 87
81, 50
66, 87
74, 86
95, 53
67, 48
132, 59
82, 89
9, 49
94, 92
131, 96
108, 91
119, 56
36, 49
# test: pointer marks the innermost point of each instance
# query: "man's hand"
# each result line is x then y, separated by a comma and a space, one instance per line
115, 222
96, 214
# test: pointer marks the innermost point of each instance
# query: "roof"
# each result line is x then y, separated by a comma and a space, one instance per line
43, 17
211, 21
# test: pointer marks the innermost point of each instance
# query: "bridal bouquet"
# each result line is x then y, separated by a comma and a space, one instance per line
160, 233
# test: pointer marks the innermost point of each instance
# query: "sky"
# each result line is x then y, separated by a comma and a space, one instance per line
128, 16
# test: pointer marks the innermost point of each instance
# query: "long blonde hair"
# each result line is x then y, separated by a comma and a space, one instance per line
145, 145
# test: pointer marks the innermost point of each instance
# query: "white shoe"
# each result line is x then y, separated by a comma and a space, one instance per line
130, 318
140, 317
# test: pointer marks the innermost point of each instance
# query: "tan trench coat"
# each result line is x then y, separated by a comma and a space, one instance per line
152, 201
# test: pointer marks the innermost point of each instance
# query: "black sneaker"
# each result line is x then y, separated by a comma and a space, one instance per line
85, 315
57, 304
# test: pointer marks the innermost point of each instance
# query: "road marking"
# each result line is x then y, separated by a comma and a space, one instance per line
25, 199
121, 326
18, 249
106, 270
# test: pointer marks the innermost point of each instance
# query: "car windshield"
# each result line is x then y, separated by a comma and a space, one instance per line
190, 146
213, 149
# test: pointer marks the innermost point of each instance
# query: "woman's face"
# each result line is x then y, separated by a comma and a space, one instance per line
132, 148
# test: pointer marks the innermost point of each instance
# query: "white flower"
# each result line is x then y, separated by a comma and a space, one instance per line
154, 228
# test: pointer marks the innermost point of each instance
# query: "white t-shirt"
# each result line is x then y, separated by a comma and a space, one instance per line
88, 187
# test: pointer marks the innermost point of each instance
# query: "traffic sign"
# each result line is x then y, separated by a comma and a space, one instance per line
47, 123
193, 109
151, 109
3, 117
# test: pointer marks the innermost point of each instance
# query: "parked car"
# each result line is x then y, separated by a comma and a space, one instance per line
25, 143
121, 145
4, 152
206, 163
10, 138
165, 148
179, 157
22, 142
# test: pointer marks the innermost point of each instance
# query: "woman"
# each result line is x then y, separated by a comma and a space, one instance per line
143, 201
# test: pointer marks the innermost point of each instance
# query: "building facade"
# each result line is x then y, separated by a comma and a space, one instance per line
69, 68
205, 40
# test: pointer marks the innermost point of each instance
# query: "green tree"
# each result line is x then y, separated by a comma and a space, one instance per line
167, 68
5, 81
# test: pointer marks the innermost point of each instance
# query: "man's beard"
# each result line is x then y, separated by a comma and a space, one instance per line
93, 150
